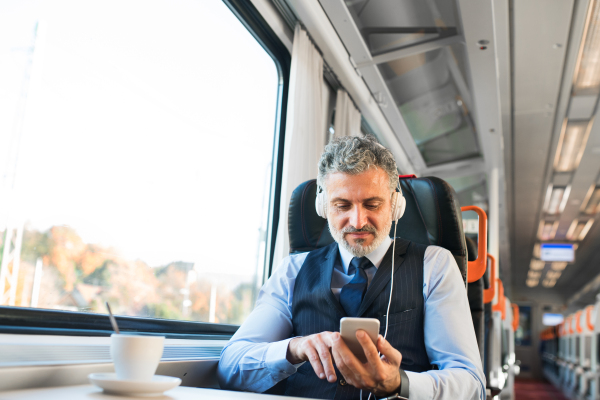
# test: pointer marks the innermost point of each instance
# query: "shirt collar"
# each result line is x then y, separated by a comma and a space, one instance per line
376, 256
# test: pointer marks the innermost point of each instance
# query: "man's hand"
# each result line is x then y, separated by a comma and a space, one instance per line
378, 375
315, 349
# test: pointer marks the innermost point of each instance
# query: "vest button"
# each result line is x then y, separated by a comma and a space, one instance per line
342, 382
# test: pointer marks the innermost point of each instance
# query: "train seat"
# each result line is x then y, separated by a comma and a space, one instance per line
585, 331
475, 296
572, 362
432, 216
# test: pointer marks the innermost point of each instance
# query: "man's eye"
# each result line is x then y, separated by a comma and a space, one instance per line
372, 206
342, 207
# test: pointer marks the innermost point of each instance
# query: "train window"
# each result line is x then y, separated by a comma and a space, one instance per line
138, 142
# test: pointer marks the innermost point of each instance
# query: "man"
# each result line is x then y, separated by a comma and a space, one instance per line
297, 314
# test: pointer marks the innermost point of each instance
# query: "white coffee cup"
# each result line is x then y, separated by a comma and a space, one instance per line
136, 357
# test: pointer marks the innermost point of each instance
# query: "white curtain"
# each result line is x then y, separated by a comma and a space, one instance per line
304, 133
347, 117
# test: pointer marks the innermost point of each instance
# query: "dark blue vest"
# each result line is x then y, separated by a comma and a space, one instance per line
315, 309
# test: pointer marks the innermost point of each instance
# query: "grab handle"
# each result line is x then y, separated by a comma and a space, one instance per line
515, 322
588, 317
501, 305
578, 327
477, 267
488, 294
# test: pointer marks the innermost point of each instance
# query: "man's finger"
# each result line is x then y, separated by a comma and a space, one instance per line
325, 357
346, 361
315, 361
392, 355
348, 373
369, 348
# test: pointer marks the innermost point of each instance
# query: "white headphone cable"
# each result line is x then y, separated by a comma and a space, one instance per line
387, 314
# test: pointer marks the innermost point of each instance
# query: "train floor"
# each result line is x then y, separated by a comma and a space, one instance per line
536, 390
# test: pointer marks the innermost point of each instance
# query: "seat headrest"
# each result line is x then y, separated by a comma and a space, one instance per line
472, 256
471, 249
307, 230
432, 216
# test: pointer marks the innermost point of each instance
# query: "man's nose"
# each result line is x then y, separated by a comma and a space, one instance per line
358, 217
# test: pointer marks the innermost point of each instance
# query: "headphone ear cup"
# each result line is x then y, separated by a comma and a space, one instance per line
321, 204
398, 206
402, 206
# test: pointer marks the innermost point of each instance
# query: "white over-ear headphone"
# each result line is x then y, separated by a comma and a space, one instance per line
398, 204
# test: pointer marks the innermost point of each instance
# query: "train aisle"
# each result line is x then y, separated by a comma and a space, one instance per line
536, 390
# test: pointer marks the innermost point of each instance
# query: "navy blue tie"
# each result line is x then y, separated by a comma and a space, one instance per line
353, 292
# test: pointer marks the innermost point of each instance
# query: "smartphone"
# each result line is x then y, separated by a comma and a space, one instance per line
348, 328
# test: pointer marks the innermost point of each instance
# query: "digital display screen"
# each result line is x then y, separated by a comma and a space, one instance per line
550, 319
557, 252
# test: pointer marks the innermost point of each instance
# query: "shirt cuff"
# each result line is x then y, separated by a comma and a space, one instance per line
421, 386
276, 361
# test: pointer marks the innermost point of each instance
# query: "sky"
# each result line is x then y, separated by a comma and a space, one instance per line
147, 126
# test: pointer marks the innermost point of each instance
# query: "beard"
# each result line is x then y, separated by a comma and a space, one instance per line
359, 249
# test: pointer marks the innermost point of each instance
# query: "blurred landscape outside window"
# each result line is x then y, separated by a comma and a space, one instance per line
136, 142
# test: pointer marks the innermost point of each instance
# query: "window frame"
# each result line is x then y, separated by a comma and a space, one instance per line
35, 321
253, 21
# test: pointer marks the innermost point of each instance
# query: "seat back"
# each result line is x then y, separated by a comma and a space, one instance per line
432, 217
475, 295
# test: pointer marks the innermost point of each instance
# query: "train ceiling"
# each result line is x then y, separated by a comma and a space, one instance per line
475, 91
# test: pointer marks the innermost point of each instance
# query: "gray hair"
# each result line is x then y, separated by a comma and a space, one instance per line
354, 155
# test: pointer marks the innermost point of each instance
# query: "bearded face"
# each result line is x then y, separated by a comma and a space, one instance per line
359, 209
359, 248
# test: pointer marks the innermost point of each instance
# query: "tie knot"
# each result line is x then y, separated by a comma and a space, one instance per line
359, 263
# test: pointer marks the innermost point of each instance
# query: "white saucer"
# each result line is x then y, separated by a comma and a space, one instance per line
111, 384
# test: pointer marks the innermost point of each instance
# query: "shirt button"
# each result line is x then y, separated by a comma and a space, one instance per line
342, 382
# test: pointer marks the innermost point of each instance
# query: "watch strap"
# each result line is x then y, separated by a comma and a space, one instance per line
402, 393
404, 384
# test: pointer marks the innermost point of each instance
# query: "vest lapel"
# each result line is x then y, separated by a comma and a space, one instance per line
327, 274
383, 274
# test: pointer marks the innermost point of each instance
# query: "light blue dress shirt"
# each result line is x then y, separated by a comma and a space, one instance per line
255, 357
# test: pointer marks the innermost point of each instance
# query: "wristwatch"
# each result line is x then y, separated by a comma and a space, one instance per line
402, 393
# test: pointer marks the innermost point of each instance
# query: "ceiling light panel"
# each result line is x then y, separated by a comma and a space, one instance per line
547, 230
548, 283
553, 275
537, 250
559, 266
532, 282
556, 199
537, 265
579, 228
571, 145
587, 79
534, 274
592, 203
